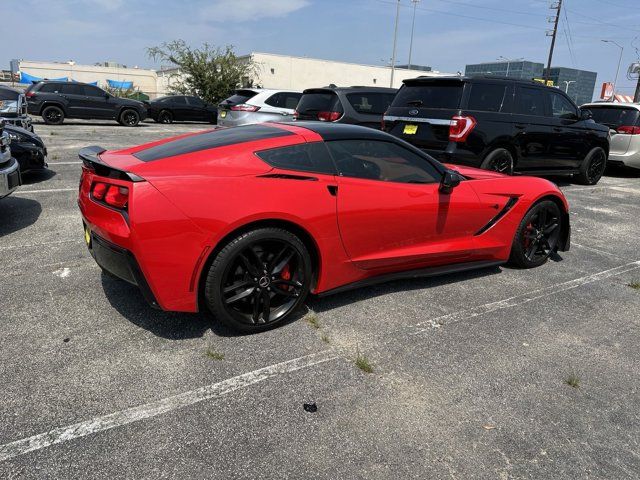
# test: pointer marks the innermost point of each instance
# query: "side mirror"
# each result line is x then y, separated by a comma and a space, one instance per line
450, 180
585, 114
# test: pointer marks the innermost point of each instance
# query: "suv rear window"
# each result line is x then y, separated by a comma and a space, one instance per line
372, 103
315, 102
614, 117
49, 88
487, 97
239, 97
430, 95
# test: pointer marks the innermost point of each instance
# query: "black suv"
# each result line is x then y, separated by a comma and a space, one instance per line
55, 101
181, 108
500, 124
355, 105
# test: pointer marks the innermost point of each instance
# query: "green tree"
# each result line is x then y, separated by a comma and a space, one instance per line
210, 72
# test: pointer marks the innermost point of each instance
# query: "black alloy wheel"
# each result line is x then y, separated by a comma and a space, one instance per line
259, 279
130, 118
593, 167
53, 115
499, 160
165, 117
538, 235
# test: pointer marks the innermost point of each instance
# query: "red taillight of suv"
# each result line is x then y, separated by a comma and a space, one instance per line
115, 196
245, 107
628, 129
29, 94
329, 116
460, 128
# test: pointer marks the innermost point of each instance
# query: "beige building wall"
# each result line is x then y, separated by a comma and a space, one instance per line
298, 73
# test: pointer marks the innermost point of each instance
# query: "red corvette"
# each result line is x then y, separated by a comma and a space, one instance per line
246, 221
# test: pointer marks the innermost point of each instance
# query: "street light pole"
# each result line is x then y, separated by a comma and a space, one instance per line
395, 41
413, 24
615, 82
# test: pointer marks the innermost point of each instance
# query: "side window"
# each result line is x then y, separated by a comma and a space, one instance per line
49, 87
379, 160
273, 100
179, 100
93, 91
195, 101
530, 101
561, 107
290, 100
306, 157
487, 97
71, 89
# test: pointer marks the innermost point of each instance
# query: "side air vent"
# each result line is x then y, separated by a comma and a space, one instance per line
287, 176
509, 205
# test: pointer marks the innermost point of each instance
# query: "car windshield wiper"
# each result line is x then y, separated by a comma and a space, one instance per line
417, 103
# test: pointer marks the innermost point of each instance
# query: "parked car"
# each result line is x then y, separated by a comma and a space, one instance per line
54, 101
9, 169
300, 210
27, 148
257, 105
13, 108
623, 121
355, 105
181, 108
500, 124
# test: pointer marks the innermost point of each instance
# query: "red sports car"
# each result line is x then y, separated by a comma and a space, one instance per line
246, 221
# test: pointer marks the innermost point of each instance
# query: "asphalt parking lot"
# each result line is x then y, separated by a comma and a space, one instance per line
470, 371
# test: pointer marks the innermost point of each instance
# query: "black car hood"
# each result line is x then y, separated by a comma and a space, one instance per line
128, 101
30, 136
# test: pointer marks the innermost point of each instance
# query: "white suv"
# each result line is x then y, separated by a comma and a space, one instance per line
623, 120
257, 105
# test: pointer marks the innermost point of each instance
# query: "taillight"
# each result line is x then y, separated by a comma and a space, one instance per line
245, 107
329, 116
628, 129
382, 125
115, 196
296, 114
30, 94
460, 128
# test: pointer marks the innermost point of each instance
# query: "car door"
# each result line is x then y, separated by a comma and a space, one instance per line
97, 102
391, 212
569, 138
532, 128
76, 105
197, 110
180, 108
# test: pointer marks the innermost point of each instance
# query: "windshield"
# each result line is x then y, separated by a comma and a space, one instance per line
430, 95
615, 117
319, 102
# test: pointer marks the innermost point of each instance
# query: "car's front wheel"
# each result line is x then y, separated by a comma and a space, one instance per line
129, 118
259, 279
53, 115
165, 117
538, 235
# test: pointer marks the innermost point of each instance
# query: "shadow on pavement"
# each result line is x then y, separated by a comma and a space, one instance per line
17, 213
37, 176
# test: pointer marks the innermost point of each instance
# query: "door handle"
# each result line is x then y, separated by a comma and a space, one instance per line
284, 113
333, 189
520, 126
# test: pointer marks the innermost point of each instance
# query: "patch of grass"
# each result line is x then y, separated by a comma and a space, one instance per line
325, 338
573, 381
211, 353
634, 285
312, 319
363, 363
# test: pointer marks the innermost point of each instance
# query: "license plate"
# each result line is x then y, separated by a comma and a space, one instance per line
223, 114
410, 129
87, 236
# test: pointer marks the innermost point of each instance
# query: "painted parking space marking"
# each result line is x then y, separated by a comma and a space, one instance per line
64, 163
525, 298
50, 190
159, 407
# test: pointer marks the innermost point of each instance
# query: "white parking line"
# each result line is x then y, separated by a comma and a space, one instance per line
597, 250
526, 297
152, 409
64, 163
50, 190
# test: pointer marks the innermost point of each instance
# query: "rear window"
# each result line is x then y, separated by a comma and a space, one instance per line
49, 87
204, 141
486, 97
307, 157
319, 102
372, 103
239, 97
8, 94
430, 95
615, 117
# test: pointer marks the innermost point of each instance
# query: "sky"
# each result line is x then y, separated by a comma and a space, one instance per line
448, 33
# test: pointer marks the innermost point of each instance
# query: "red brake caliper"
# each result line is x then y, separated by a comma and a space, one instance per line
285, 274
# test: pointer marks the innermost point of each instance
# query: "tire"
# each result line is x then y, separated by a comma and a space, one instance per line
592, 167
261, 273
165, 116
53, 115
538, 235
129, 118
499, 160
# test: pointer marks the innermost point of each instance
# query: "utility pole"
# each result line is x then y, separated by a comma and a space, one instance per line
413, 24
636, 97
557, 7
395, 40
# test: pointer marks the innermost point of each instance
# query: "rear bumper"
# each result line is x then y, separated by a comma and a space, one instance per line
630, 159
120, 263
9, 178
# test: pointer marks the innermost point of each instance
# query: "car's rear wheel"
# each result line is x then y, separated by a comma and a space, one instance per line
129, 118
592, 167
499, 160
538, 235
258, 279
165, 117
53, 115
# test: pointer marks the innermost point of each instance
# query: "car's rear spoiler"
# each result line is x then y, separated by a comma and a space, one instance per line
90, 157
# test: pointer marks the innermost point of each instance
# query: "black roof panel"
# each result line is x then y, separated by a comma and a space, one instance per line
344, 131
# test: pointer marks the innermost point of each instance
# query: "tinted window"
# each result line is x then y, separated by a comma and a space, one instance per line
561, 107
71, 89
284, 100
377, 160
487, 97
178, 100
430, 95
373, 103
319, 102
240, 96
8, 94
93, 91
530, 101
273, 100
49, 87
307, 157
615, 117
205, 141
195, 101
